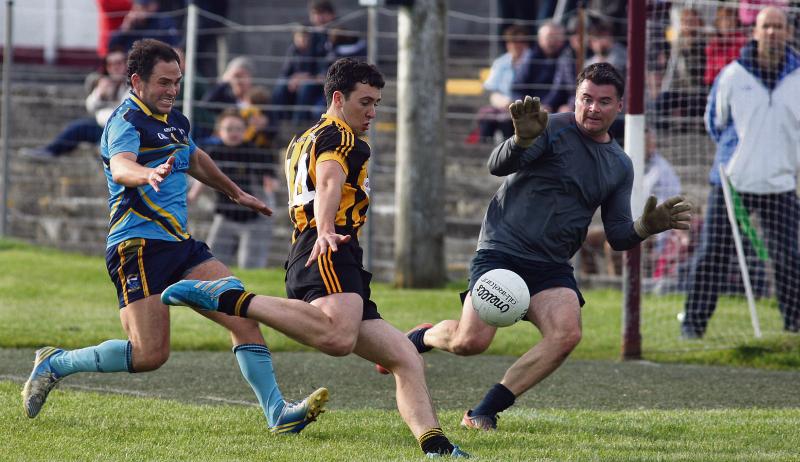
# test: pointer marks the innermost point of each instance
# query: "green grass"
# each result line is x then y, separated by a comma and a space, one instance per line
48, 297
89, 426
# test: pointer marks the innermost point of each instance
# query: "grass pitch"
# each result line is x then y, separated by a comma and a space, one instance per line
581, 413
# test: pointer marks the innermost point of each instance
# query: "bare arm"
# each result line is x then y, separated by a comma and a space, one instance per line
204, 169
127, 172
330, 178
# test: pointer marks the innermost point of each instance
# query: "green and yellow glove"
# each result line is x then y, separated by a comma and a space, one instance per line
528, 119
673, 213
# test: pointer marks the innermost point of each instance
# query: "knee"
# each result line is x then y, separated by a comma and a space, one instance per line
566, 340
337, 345
149, 360
469, 346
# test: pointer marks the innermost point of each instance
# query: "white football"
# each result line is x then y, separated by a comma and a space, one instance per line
500, 297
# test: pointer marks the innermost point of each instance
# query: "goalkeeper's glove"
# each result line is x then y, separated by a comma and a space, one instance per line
673, 213
529, 120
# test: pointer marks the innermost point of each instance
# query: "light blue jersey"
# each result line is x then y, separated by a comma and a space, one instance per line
142, 212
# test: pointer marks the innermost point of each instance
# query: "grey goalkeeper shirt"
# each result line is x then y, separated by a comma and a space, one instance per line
552, 189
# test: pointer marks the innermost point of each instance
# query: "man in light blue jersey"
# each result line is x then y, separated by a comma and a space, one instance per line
147, 154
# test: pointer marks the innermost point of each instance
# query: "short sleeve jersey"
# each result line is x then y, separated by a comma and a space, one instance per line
330, 139
141, 212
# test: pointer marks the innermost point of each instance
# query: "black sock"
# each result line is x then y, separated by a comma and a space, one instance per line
235, 302
497, 399
434, 441
417, 337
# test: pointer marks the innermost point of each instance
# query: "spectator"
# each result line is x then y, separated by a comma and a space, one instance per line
236, 90
748, 9
144, 20
301, 78
501, 76
239, 236
605, 48
343, 43
685, 92
107, 89
724, 46
752, 116
321, 14
110, 14
536, 74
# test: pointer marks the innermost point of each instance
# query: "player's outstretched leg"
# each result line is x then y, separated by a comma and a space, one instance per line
42, 380
296, 415
412, 335
204, 295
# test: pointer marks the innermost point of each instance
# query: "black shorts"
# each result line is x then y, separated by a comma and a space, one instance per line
537, 275
334, 272
143, 267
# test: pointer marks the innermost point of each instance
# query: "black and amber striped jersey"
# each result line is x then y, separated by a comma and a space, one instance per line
330, 139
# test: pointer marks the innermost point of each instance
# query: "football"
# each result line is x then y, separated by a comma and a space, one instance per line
500, 297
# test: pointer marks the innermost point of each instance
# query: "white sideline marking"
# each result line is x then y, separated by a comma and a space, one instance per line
122, 391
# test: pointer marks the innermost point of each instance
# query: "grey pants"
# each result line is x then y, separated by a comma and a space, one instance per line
242, 244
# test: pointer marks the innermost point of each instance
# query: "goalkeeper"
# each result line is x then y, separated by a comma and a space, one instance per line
559, 170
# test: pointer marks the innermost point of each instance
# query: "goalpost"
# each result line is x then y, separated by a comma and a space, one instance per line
686, 44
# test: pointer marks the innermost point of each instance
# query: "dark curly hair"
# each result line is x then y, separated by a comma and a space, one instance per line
602, 74
145, 54
345, 73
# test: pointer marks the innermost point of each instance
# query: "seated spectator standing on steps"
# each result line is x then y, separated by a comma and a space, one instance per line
605, 48
300, 82
239, 236
107, 89
495, 117
537, 73
236, 90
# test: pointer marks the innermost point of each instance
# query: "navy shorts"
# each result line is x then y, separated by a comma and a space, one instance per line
537, 275
143, 267
334, 272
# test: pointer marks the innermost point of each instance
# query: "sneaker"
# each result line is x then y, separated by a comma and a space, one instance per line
457, 452
199, 294
296, 415
40, 383
479, 422
424, 325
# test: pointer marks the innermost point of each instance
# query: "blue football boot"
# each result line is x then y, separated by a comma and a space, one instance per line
40, 383
457, 452
296, 415
199, 294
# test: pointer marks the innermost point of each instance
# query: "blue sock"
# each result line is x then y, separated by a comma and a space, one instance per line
109, 356
255, 361
497, 399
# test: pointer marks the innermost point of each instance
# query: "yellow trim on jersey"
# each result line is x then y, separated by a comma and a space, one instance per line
121, 219
164, 214
146, 110
170, 232
114, 207
176, 145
